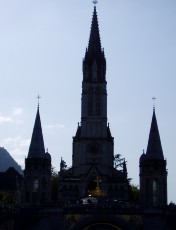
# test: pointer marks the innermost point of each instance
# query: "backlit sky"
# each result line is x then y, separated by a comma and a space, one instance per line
42, 44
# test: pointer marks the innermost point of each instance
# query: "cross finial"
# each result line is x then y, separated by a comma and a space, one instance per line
97, 180
153, 98
38, 97
95, 2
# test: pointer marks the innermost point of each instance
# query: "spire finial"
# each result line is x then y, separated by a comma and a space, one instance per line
95, 2
153, 98
38, 97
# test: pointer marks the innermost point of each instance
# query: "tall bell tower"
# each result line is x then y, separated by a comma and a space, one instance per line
93, 144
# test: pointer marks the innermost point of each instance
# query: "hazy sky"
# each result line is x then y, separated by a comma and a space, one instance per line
42, 44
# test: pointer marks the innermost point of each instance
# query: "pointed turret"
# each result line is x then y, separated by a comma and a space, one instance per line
153, 173
37, 148
154, 148
94, 63
37, 173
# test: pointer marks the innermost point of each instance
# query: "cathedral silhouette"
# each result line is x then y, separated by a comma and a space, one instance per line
96, 171
93, 147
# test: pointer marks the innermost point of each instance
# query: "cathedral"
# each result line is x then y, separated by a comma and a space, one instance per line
96, 170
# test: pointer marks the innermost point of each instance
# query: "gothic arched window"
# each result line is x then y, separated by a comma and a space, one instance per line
90, 101
98, 102
155, 191
94, 71
35, 185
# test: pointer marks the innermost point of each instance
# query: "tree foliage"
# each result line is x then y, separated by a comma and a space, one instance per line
7, 198
63, 165
134, 193
54, 184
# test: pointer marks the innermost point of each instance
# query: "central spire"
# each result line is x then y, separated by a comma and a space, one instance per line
94, 46
94, 93
94, 63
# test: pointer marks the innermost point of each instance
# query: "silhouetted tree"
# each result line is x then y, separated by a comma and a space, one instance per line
54, 184
134, 193
63, 165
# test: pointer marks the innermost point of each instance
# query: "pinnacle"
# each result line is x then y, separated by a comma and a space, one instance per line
154, 148
37, 148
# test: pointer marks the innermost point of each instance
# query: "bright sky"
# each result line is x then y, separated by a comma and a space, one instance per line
42, 44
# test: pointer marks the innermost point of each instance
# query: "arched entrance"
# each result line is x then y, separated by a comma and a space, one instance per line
102, 226
102, 222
